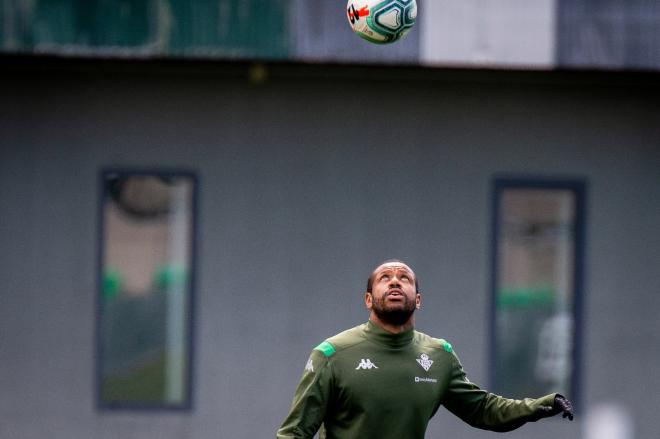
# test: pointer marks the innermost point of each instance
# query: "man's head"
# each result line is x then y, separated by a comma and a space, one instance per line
393, 292
370, 280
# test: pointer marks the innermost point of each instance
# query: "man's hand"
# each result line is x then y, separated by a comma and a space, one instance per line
561, 405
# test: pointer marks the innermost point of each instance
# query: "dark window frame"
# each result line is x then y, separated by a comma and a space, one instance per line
187, 404
578, 187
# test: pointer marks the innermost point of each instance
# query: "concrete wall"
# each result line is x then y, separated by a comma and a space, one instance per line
484, 32
305, 185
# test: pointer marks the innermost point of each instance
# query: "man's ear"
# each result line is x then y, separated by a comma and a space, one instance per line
368, 300
418, 301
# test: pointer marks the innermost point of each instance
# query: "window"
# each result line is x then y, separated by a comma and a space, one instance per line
537, 252
145, 299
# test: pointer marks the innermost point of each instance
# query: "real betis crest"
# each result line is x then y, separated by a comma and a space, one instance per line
424, 361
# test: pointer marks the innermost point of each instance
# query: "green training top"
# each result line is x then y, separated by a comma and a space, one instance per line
367, 382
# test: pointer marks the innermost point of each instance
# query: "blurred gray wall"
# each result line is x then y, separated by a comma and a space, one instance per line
305, 185
486, 32
540, 34
608, 34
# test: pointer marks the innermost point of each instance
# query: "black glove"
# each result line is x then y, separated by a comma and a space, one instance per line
561, 405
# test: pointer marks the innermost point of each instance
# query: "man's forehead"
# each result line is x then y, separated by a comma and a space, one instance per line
393, 266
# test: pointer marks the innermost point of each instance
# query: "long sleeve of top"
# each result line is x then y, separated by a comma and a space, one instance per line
310, 401
369, 383
485, 410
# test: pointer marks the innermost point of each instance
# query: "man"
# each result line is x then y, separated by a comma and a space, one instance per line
384, 380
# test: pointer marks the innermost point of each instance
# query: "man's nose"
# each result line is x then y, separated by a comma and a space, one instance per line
394, 281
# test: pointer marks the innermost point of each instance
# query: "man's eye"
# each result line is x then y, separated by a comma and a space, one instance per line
385, 277
405, 277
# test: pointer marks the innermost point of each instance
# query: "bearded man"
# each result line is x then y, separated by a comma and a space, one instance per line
384, 380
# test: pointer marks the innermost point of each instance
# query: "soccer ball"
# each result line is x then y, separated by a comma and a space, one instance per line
381, 21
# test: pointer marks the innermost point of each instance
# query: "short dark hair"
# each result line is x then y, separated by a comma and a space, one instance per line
370, 280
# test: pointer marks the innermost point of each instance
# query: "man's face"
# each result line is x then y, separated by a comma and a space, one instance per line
393, 296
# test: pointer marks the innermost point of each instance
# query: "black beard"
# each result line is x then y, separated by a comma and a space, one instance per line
397, 316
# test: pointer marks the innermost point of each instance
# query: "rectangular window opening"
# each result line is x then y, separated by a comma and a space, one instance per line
536, 287
145, 297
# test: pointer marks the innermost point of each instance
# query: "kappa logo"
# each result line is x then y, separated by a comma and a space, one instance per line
366, 364
425, 362
309, 366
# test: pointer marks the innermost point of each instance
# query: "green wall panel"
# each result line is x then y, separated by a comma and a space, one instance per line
226, 28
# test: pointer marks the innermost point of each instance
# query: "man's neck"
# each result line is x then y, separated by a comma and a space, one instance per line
395, 329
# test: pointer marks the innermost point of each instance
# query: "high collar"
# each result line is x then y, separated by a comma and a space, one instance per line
383, 337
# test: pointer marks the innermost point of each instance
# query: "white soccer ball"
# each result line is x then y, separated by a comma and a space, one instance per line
382, 21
